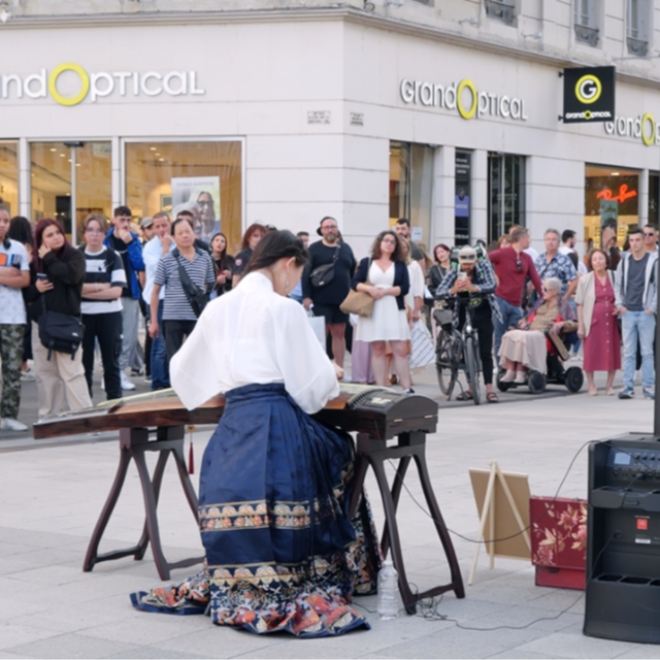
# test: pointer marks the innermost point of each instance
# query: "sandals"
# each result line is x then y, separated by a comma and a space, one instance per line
491, 397
464, 396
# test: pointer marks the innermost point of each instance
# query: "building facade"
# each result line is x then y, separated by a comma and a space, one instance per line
445, 114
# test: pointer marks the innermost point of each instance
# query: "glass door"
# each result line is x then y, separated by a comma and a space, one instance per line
71, 170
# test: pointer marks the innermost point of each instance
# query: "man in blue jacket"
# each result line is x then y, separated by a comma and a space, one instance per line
126, 244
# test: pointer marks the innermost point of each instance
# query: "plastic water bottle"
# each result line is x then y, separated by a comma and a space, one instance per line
388, 592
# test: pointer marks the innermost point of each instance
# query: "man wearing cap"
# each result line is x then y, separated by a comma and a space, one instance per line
327, 297
474, 283
147, 230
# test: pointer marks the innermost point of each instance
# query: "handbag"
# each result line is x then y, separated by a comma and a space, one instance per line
322, 275
197, 297
358, 302
60, 332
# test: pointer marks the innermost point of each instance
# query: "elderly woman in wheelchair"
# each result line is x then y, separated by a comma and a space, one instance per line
533, 353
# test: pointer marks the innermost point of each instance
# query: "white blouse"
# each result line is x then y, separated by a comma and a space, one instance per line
416, 284
252, 335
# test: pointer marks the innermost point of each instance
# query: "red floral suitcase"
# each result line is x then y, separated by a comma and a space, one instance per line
559, 541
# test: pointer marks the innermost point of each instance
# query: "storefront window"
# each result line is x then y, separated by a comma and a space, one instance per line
9, 176
203, 177
611, 200
654, 198
506, 193
462, 168
62, 171
411, 181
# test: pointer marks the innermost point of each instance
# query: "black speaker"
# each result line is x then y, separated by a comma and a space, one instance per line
623, 539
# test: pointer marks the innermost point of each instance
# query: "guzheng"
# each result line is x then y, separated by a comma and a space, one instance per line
358, 408
157, 421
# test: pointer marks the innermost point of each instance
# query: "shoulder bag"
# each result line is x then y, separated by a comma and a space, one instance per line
358, 302
60, 332
197, 297
322, 275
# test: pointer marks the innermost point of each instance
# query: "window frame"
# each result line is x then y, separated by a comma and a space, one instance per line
504, 11
587, 32
638, 31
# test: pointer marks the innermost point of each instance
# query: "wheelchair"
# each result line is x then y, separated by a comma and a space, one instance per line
572, 378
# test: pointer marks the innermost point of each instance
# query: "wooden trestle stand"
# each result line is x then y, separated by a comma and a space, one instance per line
155, 422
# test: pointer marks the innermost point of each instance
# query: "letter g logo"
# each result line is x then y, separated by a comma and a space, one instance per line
588, 89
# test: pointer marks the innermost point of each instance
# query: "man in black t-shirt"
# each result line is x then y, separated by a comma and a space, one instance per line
402, 228
326, 299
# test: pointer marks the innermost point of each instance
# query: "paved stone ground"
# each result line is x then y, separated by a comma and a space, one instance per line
52, 493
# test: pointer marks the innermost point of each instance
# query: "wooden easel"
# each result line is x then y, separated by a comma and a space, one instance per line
503, 505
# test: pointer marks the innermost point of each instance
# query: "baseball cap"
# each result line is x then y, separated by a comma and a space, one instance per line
145, 223
467, 255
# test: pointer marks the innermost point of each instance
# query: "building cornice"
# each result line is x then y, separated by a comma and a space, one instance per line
337, 12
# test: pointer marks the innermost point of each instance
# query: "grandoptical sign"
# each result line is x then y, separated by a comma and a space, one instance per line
588, 94
70, 84
463, 97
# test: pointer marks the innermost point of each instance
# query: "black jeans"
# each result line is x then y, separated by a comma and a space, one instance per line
107, 328
483, 324
175, 331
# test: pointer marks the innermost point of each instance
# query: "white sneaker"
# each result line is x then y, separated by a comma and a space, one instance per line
10, 424
126, 384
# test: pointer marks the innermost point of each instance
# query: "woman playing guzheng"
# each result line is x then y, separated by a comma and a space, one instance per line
275, 485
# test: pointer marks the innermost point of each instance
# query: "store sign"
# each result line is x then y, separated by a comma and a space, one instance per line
463, 97
98, 85
588, 94
622, 196
642, 127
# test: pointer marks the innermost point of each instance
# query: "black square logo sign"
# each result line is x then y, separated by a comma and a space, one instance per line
588, 94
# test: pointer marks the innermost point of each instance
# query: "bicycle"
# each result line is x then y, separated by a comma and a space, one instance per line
458, 351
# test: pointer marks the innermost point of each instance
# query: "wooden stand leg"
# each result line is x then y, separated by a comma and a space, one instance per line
407, 596
396, 494
93, 547
456, 577
155, 484
152, 518
361, 467
188, 489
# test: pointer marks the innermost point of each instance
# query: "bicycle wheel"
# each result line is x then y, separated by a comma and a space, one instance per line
445, 366
472, 368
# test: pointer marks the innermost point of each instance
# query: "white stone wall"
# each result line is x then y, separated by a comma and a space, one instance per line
262, 79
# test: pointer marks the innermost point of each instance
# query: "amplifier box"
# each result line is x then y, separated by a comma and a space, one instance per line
623, 539
559, 541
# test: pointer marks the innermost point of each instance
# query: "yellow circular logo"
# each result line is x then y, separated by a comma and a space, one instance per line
52, 84
648, 140
588, 89
587, 114
464, 112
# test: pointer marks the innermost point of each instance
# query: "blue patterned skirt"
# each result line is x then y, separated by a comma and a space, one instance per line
281, 552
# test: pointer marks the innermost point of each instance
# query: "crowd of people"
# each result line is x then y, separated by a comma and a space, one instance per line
164, 272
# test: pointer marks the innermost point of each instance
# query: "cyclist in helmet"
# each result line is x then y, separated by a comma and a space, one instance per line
473, 283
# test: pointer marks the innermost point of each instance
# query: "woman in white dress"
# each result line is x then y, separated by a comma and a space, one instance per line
384, 276
282, 553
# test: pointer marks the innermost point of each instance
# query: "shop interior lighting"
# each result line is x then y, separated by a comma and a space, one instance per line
152, 148
616, 173
53, 149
